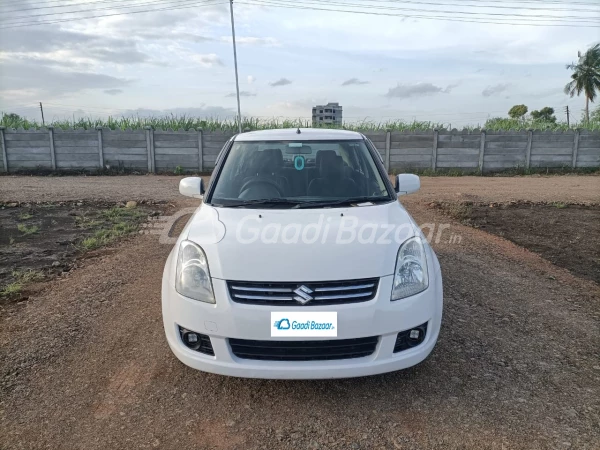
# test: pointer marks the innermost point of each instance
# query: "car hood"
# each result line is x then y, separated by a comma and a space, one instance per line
301, 244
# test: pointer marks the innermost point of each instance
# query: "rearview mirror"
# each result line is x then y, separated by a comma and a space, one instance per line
295, 148
407, 183
192, 187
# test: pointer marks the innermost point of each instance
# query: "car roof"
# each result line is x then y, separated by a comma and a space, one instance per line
306, 134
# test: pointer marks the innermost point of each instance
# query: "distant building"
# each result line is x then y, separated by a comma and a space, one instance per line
329, 114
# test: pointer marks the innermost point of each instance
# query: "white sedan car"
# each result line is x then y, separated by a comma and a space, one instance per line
301, 263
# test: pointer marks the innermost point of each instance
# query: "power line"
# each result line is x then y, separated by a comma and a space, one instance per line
66, 5
558, 2
311, 5
511, 2
480, 5
25, 24
430, 17
542, 7
411, 10
150, 3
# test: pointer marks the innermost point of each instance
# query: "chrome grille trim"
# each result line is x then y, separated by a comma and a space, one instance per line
303, 293
344, 288
330, 297
262, 297
243, 288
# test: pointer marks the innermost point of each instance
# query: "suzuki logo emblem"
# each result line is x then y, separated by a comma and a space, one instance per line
303, 295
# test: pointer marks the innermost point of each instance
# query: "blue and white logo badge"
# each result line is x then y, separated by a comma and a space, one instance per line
304, 324
282, 324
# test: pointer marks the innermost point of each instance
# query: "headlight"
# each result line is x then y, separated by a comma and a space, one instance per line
410, 276
193, 276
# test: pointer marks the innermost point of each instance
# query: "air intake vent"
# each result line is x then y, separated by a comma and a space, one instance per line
304, 350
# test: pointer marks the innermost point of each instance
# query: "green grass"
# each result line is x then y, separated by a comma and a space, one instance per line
87, 222
105, 236
21, 278
26, 231
117, 214
183, 122
110, 225
105, 227
26, 276
25, 216
11, 289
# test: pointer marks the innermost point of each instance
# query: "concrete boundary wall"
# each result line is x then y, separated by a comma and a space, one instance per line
151, 150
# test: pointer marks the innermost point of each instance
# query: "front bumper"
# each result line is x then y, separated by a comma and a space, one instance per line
227, 319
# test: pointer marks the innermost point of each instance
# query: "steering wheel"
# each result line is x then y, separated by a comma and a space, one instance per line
270, 183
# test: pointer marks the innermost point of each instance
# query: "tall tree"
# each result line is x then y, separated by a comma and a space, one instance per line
545, 114
585, 77
517, 111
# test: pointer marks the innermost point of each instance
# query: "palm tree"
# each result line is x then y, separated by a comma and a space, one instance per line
585, 77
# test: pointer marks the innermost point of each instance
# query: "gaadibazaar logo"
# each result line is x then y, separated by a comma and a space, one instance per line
348, 230
250, 229
303, 324
284, 324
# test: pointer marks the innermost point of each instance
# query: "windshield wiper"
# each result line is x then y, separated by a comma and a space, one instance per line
341, 202
265, 202
298, 204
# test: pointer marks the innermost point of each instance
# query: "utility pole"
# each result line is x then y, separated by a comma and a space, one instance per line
567, 111
237, 83
42, 110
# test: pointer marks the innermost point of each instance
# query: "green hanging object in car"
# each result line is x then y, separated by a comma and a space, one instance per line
299, 162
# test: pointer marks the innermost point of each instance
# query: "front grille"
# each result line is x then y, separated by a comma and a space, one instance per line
312, 294
303, 350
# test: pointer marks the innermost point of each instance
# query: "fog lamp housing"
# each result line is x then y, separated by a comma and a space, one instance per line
196, 341
410, 338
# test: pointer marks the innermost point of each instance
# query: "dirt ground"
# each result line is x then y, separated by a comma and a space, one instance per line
566, 235
84, 364
39, 241
567, 188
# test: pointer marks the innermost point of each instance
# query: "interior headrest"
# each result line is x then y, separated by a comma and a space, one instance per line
266, 161
320, 155
330, 164
275, 155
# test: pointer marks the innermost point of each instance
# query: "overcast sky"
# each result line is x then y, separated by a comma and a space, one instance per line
377, 67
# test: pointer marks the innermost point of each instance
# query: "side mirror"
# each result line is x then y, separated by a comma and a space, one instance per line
407, 183
192, 187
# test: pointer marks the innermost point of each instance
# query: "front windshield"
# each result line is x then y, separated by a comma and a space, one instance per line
297, 172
